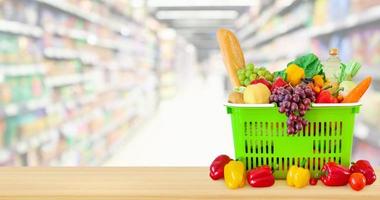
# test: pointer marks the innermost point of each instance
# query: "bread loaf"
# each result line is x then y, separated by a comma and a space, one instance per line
232, 54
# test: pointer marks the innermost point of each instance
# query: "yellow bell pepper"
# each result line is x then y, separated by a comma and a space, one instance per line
298, 176
294, 74
318, 81
234, 174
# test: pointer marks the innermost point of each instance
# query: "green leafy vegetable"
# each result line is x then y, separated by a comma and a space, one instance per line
310, 63
281, 74
349, 71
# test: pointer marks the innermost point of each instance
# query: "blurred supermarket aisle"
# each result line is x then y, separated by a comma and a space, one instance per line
78, 76
188, 130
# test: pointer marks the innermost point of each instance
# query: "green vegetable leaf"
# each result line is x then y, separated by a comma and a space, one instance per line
281, 74
311, 65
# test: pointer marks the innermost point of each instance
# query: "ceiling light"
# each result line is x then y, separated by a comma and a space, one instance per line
197, 14
186, 3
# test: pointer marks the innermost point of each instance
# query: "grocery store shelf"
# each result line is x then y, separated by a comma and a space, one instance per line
90, 38
351, 21
21, 70
257, 56
60, 53
264, 17
70, 33
13, 109
20, 28
57, 81
34, 141
107, 129
263, 38
69, 54
73, 10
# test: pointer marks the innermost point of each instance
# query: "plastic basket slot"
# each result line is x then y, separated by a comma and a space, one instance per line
250, 129
246, 163
329, 147
272, 147
252, 165
340, 128
271, 129
246, 146
287, 164
245, 129
334, 151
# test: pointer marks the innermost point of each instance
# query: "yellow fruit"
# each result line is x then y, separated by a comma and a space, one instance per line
318, 80
235, 97
256, 94
294, 74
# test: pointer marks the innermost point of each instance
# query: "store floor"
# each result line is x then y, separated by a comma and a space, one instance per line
188, 130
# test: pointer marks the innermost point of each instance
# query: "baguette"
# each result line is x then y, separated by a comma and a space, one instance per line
232, 54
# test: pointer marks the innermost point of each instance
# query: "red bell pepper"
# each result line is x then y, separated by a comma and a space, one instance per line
326, 97
279, 82
363, 166
263, 81
260, 177
217, 167
334, 174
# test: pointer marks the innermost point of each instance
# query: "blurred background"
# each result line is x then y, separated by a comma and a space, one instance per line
142, 83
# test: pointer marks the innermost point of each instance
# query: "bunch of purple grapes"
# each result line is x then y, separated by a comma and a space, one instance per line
294, 102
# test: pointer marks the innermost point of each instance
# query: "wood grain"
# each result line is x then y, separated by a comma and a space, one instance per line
150, 183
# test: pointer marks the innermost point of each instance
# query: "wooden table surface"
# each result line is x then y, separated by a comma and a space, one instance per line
151, 183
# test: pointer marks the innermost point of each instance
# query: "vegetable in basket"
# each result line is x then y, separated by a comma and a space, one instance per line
310, 63
263, 81
234, 174
356, 93
294, 74
334, 174
349, 71
279, 82
217, 167
260, 177
298, 176
347, 86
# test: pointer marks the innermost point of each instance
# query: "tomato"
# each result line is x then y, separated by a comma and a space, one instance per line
357, 181
313, 181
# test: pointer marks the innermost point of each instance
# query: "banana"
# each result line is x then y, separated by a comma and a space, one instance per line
232, 54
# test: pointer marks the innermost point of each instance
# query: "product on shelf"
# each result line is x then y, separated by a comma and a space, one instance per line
69, 93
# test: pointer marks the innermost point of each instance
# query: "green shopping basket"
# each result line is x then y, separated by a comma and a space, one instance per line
260, 136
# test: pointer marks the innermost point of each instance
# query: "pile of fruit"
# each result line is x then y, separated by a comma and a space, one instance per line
304, 81
233, 172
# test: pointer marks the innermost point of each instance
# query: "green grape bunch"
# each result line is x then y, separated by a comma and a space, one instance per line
250, 72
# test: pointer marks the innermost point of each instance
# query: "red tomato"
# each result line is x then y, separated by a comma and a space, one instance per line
357, 181
313, 181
